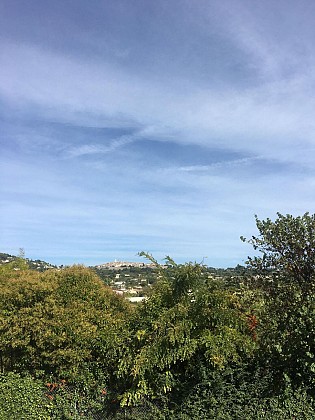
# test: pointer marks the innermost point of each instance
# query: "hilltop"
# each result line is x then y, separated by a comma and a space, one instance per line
38, 265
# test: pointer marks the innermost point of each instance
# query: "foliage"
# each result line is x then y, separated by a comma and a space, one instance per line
22, 398
187, 318
285, 276
287, 246
231, 402
61, 324
241, 347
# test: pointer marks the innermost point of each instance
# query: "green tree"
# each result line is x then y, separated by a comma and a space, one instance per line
61, 324
284, 273
189, 323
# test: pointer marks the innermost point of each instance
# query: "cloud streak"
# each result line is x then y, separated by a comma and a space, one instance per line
281, 109
153, 127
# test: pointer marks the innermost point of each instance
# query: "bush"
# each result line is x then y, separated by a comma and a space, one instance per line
22, 398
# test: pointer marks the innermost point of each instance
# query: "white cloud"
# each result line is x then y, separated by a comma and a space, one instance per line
90, 149
188, 210
277, 115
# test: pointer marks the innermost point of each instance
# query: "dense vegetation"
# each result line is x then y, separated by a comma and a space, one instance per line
199, 347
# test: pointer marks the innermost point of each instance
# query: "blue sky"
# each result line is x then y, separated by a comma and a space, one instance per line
163, 126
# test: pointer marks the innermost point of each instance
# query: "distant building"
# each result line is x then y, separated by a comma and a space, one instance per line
124, 264
136, 299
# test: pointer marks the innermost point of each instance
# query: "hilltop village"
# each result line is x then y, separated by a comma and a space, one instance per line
129, 279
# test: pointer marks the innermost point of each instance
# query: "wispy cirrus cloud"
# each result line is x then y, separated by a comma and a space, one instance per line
91, 149
111, 145
153, 126
217, 165
280, 109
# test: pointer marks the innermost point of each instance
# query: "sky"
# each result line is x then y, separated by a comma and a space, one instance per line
161, 126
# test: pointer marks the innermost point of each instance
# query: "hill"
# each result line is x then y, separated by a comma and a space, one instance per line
37, 265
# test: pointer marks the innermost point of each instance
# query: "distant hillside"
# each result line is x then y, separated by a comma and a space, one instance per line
115, 269
32, 264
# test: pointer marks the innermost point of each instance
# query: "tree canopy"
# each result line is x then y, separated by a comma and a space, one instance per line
197, 347
285, 273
